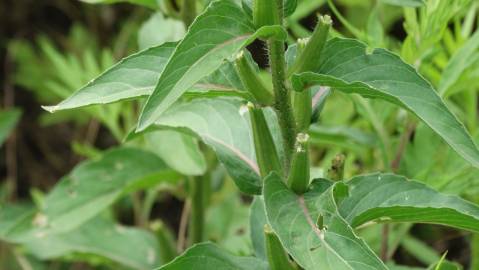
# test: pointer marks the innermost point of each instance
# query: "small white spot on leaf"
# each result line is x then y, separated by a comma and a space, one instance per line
40, 220
150, 257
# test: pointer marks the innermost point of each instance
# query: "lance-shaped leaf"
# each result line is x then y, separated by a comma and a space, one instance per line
223, 124
215, 35
206, 256
311, 229
102, 237
393, 198
94, 185
348, 67
134, 76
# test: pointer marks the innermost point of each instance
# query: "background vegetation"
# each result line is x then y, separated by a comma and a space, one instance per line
49, 49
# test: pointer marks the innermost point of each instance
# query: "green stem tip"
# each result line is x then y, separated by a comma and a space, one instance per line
298, 178
277, 257
302, 109
251, 81
308, 59
265, 148
265, 12
166, 241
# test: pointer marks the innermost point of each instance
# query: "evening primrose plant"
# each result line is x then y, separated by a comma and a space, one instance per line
207, 86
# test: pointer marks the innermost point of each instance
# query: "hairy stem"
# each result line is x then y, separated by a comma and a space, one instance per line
282, 103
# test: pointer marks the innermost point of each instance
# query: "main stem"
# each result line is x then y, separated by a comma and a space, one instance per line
282, 103
196, 223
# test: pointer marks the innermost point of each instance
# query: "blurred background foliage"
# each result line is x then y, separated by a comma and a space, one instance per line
49, 49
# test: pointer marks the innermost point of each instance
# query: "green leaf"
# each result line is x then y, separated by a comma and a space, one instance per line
218, 33
8, 120
405, 3
147, 3
227, 221
393, 198
14, 219
294, 218
134, 76
180, 151
103, 237
347, 67
94, 185
341, 135
221, 124
224, 79
420, 250
158, 30
207, 256
459, 62
257, 219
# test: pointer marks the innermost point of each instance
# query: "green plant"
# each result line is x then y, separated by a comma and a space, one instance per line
205, 87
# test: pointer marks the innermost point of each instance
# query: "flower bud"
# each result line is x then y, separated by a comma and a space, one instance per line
298, 179
308, 59
266, 154
302, 109
251, 81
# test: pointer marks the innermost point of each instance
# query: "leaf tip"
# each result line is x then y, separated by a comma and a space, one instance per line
51, 109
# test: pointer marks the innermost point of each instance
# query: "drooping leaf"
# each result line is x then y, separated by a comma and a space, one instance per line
8, 120
330, 245
405, 3
94, 185
102, 237
206, 256
393, 198
221, 124
348, 67
147, 3
214, 36
180, 151
134, 76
